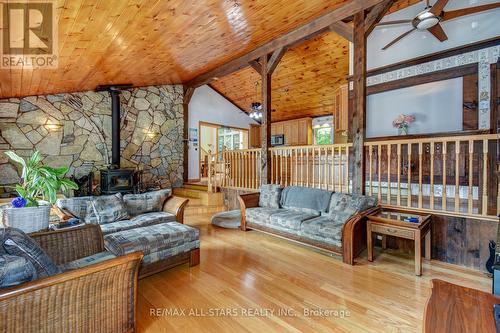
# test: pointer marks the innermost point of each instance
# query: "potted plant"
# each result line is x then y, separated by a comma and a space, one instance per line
37, 191
402, 123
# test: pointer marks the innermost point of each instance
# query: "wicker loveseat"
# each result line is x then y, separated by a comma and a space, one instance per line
335, 222
98, 297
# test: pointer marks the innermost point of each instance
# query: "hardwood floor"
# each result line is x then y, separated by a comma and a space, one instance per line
244, 271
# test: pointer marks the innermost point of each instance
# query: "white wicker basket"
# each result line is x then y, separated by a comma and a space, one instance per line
28, 219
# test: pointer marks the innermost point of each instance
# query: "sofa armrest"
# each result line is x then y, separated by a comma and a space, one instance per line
249, 200
354, 235
97, 298
175, 205
65, 245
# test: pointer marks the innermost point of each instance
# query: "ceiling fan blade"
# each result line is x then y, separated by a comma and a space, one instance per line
438, 7
398, 39
438, 32
394, 22
467, 11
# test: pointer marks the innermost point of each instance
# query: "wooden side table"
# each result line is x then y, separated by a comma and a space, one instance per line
392, 223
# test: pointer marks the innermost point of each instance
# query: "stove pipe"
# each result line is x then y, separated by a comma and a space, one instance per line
115, 128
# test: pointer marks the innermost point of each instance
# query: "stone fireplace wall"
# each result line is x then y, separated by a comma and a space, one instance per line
74, 130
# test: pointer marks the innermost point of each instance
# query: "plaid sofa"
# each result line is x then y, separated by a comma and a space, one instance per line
306, 214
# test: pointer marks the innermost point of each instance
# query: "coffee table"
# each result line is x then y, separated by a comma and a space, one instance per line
392, 222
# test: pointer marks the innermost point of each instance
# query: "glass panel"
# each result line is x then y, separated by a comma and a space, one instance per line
323, 136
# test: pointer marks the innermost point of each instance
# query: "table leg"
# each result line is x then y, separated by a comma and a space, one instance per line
418, 254
369, 241
428, 245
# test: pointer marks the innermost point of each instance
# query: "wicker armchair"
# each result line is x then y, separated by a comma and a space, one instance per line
97, 298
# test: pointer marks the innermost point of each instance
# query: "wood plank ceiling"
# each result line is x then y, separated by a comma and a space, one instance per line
146, 42
304, 82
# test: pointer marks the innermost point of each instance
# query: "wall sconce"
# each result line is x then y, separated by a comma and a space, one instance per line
151, 134
53, 127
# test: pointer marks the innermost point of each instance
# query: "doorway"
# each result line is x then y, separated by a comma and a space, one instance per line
215, 139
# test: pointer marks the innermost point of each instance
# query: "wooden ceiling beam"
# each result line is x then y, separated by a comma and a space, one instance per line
275, 59
255, 64
301, 33
343, 29
376, 15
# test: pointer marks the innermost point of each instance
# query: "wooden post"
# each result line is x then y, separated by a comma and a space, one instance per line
265, 128
359, 105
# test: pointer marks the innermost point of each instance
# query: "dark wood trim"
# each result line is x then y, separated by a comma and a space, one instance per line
376, 14
441, 75
430, 135
187, 95
358, 114
295, 36
343, 29
436, 56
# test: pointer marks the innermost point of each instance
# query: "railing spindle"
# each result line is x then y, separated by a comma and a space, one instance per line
471, 173
379, 171
485, 178
398, 194
420, 163
409, 203
389, 148
431, 200
444, 191
457, 176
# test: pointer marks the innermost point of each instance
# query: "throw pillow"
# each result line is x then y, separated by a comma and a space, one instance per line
17, 243
137, 204
15, 270
109, 208
270, 196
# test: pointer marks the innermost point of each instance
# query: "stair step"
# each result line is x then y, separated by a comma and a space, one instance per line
205, 198
199, 187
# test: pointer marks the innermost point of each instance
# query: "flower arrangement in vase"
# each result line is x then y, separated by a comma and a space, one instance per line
37, 192
402, 123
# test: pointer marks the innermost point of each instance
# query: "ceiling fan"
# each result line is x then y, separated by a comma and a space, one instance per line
430, 18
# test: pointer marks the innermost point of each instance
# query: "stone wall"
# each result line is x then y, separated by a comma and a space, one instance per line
75, 130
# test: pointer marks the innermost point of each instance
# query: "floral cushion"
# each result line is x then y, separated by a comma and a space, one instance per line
270, 196
137, 204
79, 207
15, 270
351, 204
109, 208
260, 215
17, 243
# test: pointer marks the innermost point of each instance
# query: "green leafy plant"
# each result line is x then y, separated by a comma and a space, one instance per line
40, 182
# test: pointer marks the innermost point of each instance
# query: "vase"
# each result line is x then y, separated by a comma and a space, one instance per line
28, 219
403, 131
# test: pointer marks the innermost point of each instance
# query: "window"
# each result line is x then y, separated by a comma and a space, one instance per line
230, 139
323, 136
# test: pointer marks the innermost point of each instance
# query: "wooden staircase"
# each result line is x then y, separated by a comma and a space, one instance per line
200, 200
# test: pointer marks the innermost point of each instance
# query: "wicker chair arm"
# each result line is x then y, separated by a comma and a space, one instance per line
97, 298
176, 205
70, 244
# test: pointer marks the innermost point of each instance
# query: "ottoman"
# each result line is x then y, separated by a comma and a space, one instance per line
164, 245
230, 219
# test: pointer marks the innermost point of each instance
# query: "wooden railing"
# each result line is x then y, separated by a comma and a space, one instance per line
453, 175
325, 166
447, 174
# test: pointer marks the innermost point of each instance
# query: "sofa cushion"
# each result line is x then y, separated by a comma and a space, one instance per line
170, 252
290, 219
79, 207
352, 204
325, 229
137, 204
109, 208
304, 199
17, 243
142, 220
260, 215
15, 270
270, 196
86, 261
151, 239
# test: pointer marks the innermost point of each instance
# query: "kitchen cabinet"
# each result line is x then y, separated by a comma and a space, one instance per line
254, 139
340, 108
297, 132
